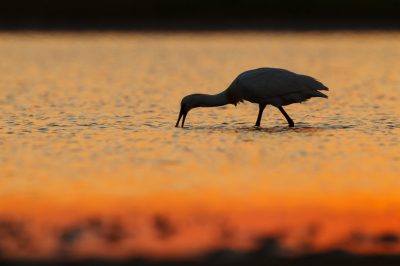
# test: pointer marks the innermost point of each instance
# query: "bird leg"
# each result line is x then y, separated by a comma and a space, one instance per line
290, 121
260, 112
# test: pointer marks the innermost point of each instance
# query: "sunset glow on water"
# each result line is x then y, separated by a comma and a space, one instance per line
92, 165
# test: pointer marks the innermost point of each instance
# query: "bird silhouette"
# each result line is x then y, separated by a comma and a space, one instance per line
274, 86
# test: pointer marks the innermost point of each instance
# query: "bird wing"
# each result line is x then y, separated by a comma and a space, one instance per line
277, 86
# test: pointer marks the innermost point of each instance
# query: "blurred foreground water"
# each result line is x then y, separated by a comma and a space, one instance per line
91, 164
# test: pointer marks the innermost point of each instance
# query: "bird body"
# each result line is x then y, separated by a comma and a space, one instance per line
274, 86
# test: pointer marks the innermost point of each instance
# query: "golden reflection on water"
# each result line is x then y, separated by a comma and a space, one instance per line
92, 165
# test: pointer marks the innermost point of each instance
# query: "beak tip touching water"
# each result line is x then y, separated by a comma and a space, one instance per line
181, 113
177, 123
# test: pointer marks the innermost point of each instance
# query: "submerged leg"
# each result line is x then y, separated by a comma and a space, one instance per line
260, 112
290, 121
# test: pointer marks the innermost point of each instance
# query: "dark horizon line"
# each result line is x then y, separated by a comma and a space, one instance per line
202, 25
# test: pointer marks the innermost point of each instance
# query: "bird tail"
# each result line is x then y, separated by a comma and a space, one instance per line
295, 98
315, 94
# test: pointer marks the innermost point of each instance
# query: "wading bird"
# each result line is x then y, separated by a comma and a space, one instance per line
274, 86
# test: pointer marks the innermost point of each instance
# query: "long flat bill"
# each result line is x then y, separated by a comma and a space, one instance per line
183, 120
180, 115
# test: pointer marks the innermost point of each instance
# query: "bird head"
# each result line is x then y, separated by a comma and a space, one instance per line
189, 102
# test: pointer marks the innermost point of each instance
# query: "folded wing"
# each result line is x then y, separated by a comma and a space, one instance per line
277, 87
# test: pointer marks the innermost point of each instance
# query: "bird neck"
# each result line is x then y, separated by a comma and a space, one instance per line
219, 99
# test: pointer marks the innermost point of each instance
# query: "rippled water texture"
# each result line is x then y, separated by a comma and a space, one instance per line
92, 165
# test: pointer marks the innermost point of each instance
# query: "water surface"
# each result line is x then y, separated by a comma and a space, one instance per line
92, 165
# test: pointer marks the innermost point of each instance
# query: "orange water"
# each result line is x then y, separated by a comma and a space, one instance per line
92, 165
